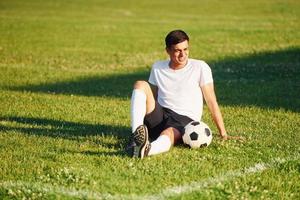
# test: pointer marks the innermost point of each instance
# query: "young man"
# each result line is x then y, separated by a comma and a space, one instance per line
173, 97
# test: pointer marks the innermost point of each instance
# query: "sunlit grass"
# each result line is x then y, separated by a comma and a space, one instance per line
66, 72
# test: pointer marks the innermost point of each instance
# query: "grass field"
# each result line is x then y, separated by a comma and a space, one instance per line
66, 73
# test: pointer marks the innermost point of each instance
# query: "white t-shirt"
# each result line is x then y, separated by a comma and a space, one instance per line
179, 90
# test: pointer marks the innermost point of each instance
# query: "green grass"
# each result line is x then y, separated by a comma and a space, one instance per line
66, 72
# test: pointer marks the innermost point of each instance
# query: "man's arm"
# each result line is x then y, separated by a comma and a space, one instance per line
211, 101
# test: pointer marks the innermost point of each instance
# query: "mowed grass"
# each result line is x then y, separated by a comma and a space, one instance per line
66, 73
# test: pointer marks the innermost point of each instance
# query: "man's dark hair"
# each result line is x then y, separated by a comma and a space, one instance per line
175, 37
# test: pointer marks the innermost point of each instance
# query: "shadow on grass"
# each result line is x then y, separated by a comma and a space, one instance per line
267, 80
106, 135
117, 86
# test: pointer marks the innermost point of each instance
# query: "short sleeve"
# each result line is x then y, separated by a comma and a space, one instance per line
152, 77
206, 74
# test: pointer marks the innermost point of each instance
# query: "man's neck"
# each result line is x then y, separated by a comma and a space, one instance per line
177, 66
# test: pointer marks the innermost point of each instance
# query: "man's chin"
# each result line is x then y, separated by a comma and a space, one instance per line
183, 62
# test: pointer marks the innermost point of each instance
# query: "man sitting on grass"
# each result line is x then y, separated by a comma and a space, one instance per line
173, 97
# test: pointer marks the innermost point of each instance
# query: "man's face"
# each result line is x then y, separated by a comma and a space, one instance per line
179, 54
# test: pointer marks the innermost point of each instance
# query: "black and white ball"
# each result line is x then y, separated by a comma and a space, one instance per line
197, 134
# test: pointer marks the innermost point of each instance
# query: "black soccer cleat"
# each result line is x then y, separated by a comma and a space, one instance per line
141, 139
130, 146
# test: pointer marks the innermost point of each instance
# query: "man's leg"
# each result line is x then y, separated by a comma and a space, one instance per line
171, 135
142, 103
163, 143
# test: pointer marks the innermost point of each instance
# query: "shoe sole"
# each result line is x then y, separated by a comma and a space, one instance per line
141, 139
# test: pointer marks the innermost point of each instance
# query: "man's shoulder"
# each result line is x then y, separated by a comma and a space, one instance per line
197, 61
200, 64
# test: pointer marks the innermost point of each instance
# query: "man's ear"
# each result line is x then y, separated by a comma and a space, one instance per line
168, 50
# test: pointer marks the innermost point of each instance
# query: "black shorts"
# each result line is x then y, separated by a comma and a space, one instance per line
162, 118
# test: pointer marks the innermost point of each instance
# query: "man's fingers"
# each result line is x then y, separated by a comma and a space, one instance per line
228, 137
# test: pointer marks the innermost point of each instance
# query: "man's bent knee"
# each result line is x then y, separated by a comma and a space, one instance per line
142, 85
173, 134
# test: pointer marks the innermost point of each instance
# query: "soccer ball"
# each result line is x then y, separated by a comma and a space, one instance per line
197, 134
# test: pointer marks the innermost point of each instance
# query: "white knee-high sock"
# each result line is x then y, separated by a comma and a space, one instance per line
137, 108
160, 145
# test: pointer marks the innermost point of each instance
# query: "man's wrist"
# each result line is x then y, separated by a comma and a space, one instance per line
223, 135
